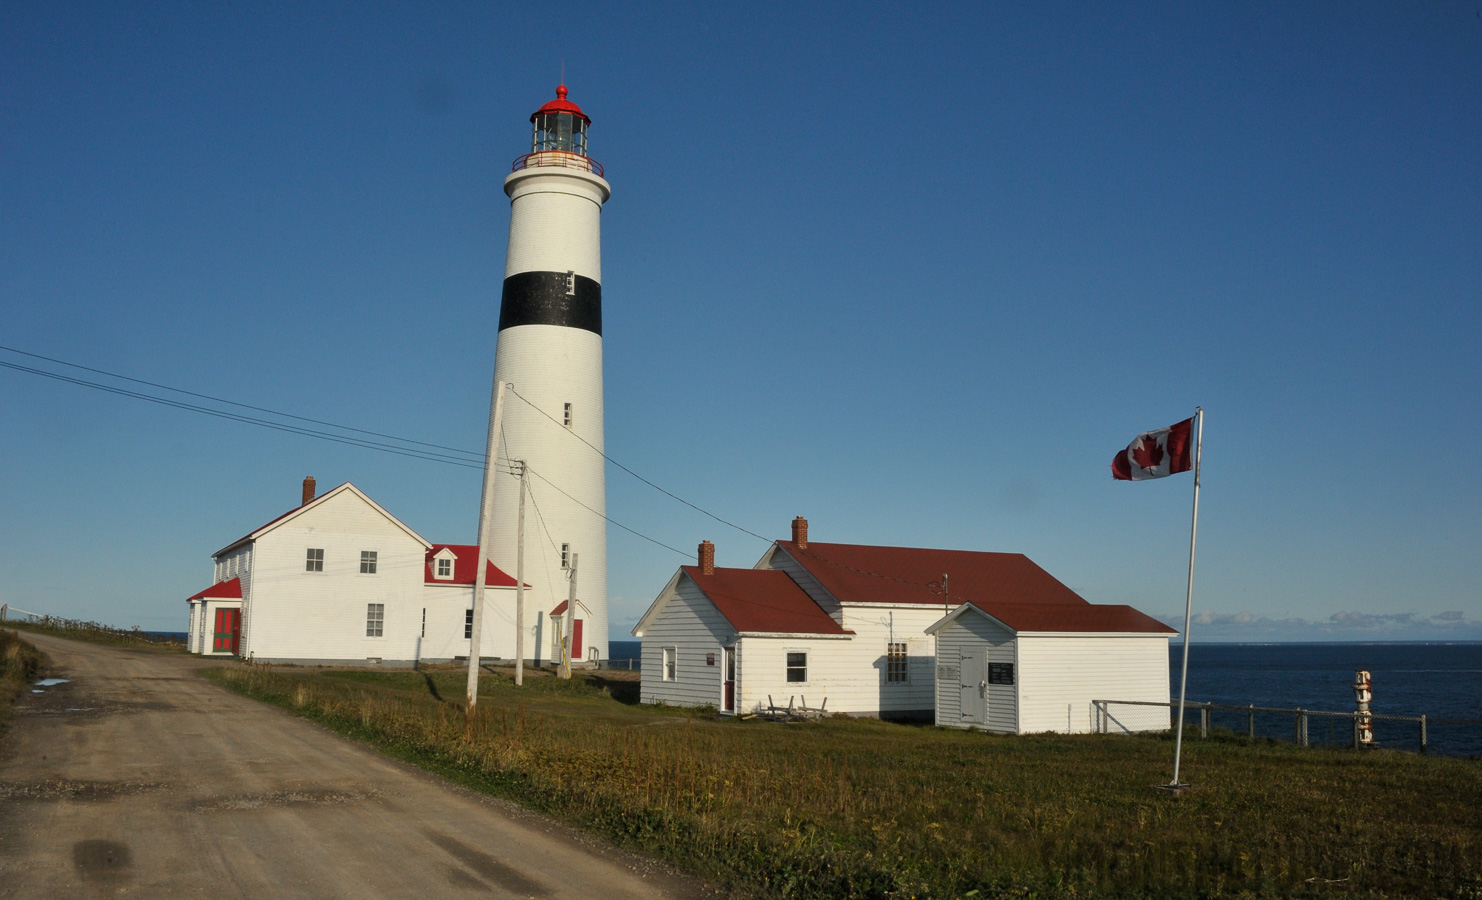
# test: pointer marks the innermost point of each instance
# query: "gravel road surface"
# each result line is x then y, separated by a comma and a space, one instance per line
137, 777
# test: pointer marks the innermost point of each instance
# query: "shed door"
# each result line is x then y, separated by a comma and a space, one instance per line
973, 686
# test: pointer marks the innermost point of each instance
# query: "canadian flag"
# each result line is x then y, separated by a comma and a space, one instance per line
1156, 454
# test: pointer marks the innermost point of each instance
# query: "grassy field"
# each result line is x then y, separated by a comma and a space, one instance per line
861, 808
20, 664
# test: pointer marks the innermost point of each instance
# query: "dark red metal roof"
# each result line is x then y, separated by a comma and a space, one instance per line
764, 600
463, 567
857, 573
230, 589
561, 105
1069, 617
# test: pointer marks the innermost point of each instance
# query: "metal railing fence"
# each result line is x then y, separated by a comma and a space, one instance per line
1301, 729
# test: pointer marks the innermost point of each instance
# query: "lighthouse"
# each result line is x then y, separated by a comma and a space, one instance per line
549, 351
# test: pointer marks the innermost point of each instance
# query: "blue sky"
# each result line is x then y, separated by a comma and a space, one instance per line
913, 272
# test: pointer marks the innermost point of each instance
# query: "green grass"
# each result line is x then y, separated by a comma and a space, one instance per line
20, 663
862, 808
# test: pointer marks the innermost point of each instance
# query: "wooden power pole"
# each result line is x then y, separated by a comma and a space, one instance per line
570, 623
486, 516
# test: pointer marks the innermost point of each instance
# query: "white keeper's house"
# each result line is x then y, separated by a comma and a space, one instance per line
861, 628
338, 580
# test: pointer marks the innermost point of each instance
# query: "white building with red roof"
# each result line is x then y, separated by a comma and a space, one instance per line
338, 580
858, 625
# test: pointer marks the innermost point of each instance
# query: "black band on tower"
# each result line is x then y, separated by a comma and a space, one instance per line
551, 298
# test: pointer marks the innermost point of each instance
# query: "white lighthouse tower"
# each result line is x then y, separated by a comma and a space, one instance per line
550, 351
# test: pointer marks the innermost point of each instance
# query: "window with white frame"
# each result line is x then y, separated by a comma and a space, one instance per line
468, 623
797, 666
367, 562
445, 568
314, 560
566, 416
895, 663
671, 663
375, 619
565, 556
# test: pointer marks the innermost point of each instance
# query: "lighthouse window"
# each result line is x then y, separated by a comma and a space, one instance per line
566, 416
565, 556
560, 131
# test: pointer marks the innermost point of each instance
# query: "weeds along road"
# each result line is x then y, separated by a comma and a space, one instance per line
139, 778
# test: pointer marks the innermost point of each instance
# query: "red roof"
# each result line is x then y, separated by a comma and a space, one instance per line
856, 573
561, 105
463, 570
221, 590
1067, 617
764, 600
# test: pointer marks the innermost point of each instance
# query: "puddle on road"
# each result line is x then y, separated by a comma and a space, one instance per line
50, 682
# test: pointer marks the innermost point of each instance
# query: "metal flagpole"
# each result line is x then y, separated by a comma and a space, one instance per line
486, 517
1178, 741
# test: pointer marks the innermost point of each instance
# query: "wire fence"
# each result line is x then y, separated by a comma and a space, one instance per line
1303, 727
11, 615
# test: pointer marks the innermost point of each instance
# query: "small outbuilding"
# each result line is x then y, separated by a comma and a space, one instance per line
1020, 668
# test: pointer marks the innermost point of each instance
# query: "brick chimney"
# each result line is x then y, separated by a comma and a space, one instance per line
707, 558
800, 532
309, 493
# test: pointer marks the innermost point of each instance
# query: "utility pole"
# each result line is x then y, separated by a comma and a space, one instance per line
520, 582
570, 623
486, 515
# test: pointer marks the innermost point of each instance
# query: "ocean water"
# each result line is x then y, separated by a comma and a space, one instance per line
1440, 681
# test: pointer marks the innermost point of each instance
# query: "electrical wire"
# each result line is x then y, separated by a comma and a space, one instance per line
165, 387
610, 520
466, 458
668, 494
251, 420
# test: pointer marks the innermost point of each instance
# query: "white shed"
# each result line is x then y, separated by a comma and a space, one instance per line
1020, 668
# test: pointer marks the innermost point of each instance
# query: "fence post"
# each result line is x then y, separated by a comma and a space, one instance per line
1355, 731
1250, 724
1422, 735
1203, 722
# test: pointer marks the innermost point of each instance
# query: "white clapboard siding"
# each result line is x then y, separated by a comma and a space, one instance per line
447, 608
990, 642
761, 672
691, 625
1059, 676
294, 614
857, 666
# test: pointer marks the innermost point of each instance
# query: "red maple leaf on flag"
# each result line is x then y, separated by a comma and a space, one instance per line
1148, 454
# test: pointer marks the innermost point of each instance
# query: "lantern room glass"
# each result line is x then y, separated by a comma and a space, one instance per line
559, 131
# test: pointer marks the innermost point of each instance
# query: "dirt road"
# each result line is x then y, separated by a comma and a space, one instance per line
137, 777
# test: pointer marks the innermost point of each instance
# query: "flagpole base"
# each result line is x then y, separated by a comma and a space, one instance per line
1176, 788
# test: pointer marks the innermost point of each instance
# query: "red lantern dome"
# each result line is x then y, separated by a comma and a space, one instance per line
561, 105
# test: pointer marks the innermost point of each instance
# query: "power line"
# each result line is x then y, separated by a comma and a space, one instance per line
473, 460
61, 362
558, 490
251, 420
669, 494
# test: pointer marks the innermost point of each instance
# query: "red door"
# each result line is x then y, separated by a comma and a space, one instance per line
228, 631
729, 699
576, 641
